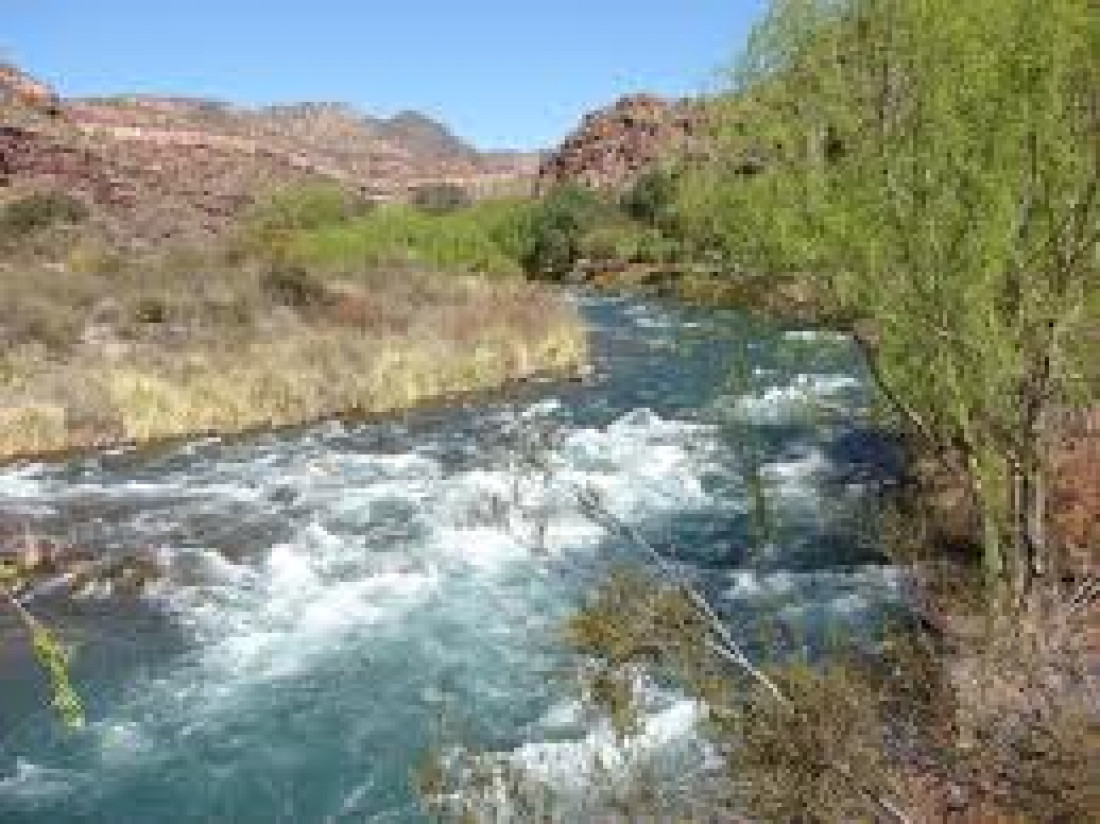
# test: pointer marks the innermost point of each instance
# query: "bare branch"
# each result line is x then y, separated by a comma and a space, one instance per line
722, 642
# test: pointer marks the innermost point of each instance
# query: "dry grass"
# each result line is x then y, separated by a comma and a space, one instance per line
116, 352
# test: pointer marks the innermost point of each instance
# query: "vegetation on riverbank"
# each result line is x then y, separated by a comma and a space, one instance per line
570, 233
925, 171
928, 173
320, 307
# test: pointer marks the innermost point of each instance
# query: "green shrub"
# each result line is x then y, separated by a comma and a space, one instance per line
613, 241
627, 242
557, 227
403, 234
441, 198
40, 210
507, 223
306, 207
657, 248
652, 198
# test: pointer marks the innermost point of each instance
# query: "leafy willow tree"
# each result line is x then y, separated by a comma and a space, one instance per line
556, 227
934, 166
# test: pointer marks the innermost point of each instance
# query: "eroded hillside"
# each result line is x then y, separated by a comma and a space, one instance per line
157, 167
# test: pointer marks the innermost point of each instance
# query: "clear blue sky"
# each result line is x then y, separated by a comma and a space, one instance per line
500, 73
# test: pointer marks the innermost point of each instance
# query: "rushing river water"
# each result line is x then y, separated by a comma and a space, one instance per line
328, 589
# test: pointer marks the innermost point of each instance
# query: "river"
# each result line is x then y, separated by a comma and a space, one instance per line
329, 589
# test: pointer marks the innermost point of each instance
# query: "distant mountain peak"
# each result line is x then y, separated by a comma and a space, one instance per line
423, 134
411, 116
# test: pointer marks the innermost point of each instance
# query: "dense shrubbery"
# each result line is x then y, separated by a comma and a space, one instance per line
557, 227
626, 242
302, 208
395, 235
39, 210
441, 198
572, 223
652, 198
543, 238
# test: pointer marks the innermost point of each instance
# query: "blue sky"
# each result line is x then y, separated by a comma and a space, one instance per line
502, 74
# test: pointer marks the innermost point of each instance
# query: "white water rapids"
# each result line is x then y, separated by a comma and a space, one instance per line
328, 591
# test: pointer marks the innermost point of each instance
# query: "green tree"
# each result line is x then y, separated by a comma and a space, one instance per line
652, 198
934, 165
557, 227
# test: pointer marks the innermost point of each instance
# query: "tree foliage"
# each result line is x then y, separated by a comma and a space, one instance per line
935, 166
557, 227
651, 200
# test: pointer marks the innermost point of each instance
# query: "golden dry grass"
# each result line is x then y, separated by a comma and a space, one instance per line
187, 347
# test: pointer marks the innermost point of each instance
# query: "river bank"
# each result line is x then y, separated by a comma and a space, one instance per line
169, 349
1003, 674
938, 489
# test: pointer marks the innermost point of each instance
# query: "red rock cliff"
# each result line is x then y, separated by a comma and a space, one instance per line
614, 145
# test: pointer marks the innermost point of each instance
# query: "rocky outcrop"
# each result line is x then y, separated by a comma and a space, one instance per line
19, 88
613, 146
142, 191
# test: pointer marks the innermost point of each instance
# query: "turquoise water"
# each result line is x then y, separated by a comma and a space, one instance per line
330, 590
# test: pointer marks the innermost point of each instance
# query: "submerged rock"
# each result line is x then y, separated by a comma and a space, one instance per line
33, 566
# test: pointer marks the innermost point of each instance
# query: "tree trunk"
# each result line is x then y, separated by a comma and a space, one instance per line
993, 559
1036, 525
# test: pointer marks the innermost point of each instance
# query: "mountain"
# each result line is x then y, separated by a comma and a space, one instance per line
159, 166
385, 157
423, 136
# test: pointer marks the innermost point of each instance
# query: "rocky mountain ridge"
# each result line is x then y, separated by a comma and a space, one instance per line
160, 166
155, 167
